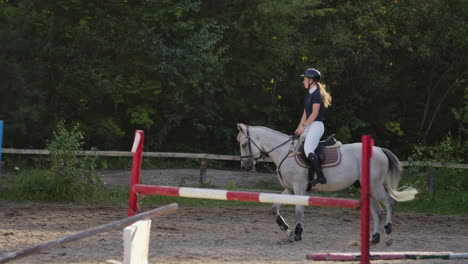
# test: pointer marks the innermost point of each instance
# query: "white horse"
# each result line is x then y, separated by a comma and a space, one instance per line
384, 168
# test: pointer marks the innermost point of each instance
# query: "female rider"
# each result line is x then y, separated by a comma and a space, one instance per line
311, 125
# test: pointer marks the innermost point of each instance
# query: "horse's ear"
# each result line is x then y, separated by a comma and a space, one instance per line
241, 127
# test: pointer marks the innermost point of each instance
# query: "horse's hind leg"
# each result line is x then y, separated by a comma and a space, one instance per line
376, 212
389, 203
390, 213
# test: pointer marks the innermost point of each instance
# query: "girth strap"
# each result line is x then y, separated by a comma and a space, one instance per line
291, 150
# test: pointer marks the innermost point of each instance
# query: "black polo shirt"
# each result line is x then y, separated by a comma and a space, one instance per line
314, 98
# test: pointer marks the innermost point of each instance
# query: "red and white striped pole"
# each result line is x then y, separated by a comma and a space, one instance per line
137, 150
387, 256
367, 144
246, 196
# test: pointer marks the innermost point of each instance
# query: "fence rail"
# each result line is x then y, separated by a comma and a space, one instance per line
202, 156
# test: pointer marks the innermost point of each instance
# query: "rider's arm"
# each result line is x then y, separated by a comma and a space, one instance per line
303, 119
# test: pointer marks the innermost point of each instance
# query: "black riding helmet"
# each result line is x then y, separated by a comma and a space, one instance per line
312, 73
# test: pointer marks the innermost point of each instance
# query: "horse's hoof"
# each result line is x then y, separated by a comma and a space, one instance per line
388, 228
375, 238
298, 232
298, 235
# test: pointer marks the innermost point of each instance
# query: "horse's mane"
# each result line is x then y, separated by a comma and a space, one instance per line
271, 130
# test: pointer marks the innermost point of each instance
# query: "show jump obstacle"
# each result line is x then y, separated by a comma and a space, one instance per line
90, 232
364, 204
136, 189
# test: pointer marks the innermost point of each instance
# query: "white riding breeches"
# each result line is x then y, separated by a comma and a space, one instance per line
312, 134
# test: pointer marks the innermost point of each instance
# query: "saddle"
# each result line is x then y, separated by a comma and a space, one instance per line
328, 151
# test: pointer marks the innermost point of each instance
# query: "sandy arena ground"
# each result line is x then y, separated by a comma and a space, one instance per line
217, 235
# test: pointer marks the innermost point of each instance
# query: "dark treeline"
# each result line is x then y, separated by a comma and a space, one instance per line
187, 71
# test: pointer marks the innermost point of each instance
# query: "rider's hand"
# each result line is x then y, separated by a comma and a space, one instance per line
299, 131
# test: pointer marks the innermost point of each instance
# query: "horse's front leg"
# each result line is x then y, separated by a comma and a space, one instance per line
297, 236
279, 219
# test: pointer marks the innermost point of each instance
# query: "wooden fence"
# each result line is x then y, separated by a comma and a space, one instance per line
203, 157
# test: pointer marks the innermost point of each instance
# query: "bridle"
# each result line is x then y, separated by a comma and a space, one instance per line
250, 141
262, 153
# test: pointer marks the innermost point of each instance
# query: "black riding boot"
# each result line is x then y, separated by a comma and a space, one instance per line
317, 167
311, 178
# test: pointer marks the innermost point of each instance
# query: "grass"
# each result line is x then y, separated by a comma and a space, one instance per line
440, 203
451, 191
450, 197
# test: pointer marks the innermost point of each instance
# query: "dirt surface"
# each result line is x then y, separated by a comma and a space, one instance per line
217, 235
191, 177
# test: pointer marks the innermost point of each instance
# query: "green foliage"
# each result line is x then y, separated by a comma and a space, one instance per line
451, 185
70, 177
29, 185
187, 71
65, 164
461, 116
207, 184
445, 152
231, 185
450, 197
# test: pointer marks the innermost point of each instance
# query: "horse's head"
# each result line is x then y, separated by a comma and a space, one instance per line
248, 149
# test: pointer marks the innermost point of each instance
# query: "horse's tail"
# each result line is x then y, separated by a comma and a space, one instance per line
393, 179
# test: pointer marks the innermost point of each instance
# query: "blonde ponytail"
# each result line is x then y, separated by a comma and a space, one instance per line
326, 97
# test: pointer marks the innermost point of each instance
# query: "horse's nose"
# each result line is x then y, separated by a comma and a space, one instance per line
244, 167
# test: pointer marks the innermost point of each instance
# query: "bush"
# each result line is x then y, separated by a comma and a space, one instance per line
70, 177
451, 185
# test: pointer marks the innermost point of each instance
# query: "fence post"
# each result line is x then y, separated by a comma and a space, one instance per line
203, 165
